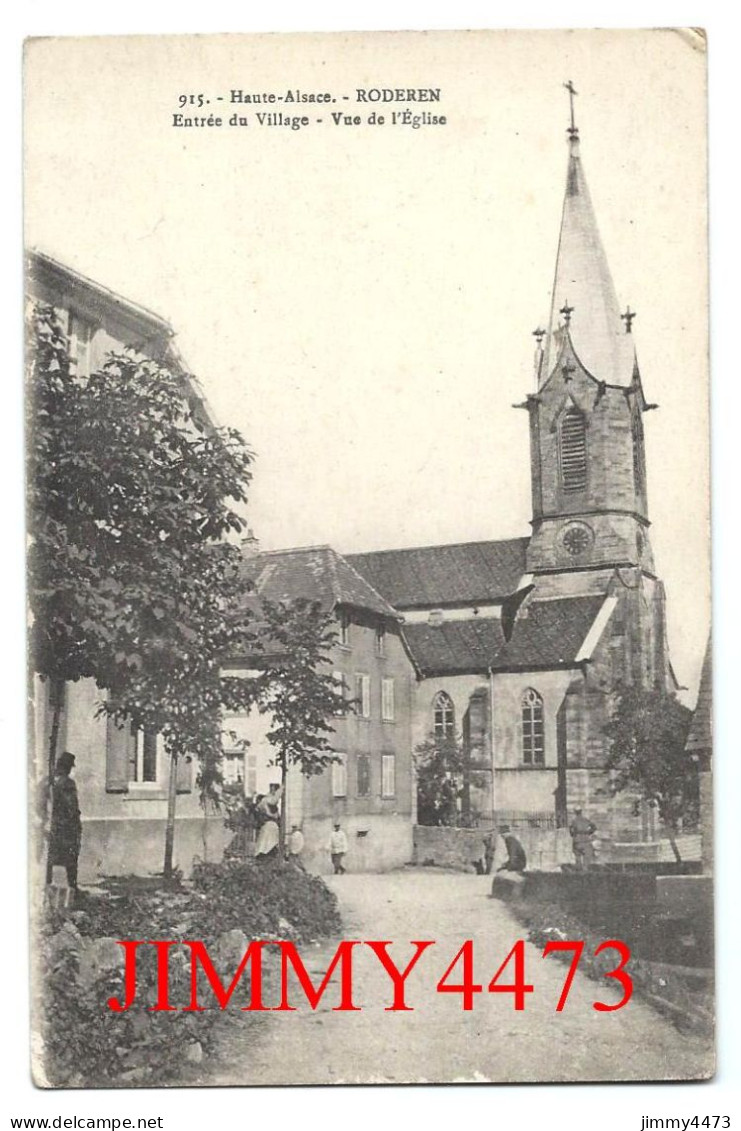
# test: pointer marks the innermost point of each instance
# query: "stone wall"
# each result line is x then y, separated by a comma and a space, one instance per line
546, 849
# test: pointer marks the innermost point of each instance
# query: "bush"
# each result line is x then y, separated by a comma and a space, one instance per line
80, 966
255, 898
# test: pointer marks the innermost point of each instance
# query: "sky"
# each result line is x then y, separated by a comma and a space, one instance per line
359, 301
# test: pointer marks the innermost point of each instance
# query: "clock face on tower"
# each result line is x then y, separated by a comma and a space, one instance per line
576, 538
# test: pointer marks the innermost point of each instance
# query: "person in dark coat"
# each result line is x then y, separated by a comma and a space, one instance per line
65, 833
516, 859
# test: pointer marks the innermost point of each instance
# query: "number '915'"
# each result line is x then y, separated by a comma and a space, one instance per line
192, 100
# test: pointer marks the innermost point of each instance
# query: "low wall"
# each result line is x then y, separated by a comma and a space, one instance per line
546, 849
136, 847
669, 917
375, 843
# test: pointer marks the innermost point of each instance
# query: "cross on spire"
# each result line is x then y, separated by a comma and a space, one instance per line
567, 311
573, 130
628, 319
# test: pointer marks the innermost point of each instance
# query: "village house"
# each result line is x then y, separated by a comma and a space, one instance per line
368, 787
121, 773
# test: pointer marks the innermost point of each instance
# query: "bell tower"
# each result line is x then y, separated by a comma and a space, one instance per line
590, 509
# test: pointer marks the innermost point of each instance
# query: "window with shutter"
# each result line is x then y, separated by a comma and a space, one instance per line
339, 776
388, 775
364, 775
387, 700
573, 450
184, 774
339, 680
120, 756
362, 694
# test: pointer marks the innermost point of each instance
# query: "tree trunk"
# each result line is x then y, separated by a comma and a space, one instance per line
283, 780
671, 832
172, 797
57, 699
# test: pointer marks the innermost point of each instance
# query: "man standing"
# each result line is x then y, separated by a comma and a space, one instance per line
65, 833
338, 848
582, 830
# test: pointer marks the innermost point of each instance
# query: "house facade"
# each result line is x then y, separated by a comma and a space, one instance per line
368, 787
121, 774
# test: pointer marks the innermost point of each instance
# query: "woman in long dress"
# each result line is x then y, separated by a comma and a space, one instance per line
267, 844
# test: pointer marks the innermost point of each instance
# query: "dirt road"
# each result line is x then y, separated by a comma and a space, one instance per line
438, 1040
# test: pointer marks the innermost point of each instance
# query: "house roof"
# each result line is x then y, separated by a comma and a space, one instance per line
144, 330
436, 576
700, 736
316, 573
546, 634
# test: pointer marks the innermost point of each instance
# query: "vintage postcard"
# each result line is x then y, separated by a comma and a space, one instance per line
369, 558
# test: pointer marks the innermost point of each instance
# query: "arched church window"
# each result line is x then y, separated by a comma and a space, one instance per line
443, 716
533, 729
573, 450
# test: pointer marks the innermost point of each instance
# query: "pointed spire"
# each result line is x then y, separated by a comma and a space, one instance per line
583, 284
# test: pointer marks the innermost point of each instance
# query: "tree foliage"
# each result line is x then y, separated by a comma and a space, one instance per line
647, 732
131, 494
294, 686
444, 775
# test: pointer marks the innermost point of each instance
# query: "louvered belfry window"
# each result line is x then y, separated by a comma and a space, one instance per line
573, 450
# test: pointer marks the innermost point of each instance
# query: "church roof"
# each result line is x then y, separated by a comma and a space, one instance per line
583, 282
316, 573
546, 634
436, 576
700, 736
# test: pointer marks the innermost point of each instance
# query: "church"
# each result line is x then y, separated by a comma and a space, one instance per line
517, 645
514, 647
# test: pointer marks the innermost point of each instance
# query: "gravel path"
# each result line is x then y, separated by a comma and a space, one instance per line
438, 1040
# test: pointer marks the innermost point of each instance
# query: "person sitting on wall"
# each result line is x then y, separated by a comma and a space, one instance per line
516, 858
582, 830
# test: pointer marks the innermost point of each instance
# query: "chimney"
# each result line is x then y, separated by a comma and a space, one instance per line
250, 544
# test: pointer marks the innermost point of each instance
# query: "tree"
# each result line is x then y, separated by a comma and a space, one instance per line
444, 778
131, 494
647, 732
294, 687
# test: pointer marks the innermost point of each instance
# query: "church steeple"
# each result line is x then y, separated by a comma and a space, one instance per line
587, 448
583, 283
